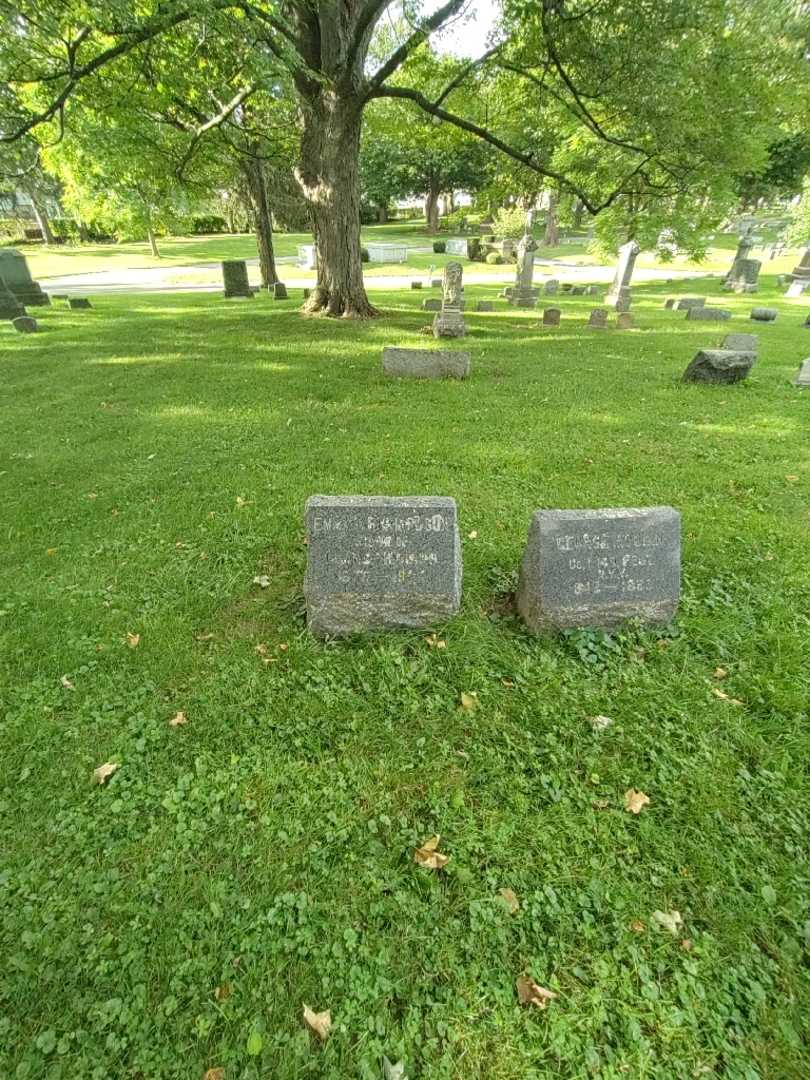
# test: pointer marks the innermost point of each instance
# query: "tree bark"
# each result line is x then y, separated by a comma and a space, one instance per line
551, 237
253, 169
41, 215
382, 213
329, 176
432, 207
150, 236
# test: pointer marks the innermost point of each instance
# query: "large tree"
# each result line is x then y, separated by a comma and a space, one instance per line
661, 88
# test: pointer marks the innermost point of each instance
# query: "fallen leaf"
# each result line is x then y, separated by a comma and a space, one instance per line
468, 700
508, 684
637, 926
51, 551
511, 901
68, 685
105, 771
720, 673
222, 993
473, 535
284, 646
178, 720
240, 501
686, 944
436, 642
204, 637
599, 723
529, 993
262, 580
718, 693
668, 920
133, 640
791, 479
635, 801
261, 649
393, 1072
428, 857
320, 1023
214, 1074
92, 495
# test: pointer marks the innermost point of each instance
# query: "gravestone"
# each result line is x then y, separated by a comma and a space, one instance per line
593, 290
457, 245
523, 295
24, 324
78, 303
235, 279
598, 319
59, 296
436, 283
448, 322
379, 563
797, 288
619, 296
14, 271
387, 253
426, 363
743, 276
551, 286
806, 323
431, 305
764, 314
683, 303
567, 286
599, 568
484, 305
744, 246
279, 291
624, 320
802, 380
707, 314
551, 316
719, 366
578, 290
10, 306
307, 256
416, 284
801, 272
741, 342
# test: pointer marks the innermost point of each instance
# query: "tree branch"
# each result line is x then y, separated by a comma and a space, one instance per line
215, 121
422, 33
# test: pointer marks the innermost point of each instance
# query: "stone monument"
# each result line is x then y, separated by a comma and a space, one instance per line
378, 563
426, 363
78, 303
743, 276
764, 314
741, 342
707, 314
523, 295
235, 280
14, 271
10, 306
597, 320
25, 324
449, 322
744, 246
619, 296
598, 568
551, 316
803, 378
801, 272
721, 366
279, 290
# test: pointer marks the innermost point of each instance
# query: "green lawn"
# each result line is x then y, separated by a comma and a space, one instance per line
155, 456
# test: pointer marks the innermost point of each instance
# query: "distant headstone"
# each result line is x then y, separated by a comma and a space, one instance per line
741, 342
551, 316
719, 366
523, 295
567, 287
426, 363
551, 287
578, 290
484, 305
744, 246
235, 279
59, 296
436, 283
806, 323
743, 276
683, 303
764, 314
379, 563
801, 272
599, 568
598, 318
78, 303
780, 279
593, 290
416, 284
279, 291
432, 305
307, 256
797, 288
449, 322
457, 246
802, 380
707, 314
624, 320
10, 306
24, 324
14, 271
619, 297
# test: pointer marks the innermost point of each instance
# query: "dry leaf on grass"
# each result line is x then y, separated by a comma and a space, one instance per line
668, 920
102, 774
428, 857
51, 551
393, 1072
468, 701
262, 580
133, 640
529, 993
720, 673
511, 901
635, 801
223, 992
473, 535
791, 478
686, 944
320, 1023
178, 720
436, 642
637, 926
599, 723
214, 1074
718, 693
68, 685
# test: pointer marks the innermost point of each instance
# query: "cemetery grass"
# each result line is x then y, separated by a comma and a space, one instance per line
155, 457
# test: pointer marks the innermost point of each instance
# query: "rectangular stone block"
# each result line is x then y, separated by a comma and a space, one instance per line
416, 284
380, 563
708, 314
426, 363
764, 314
432, 305
686, 302
598, 568
741, 342
802, 380
78, 303
551, 316
484, 305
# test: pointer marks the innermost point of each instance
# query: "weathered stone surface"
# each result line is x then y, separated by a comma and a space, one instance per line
624, 320
387, 253
684, 303
432, 305
416, 284
764, 314
797, 288
551, 316
14, 271
708, 314
78, 303
484, 305
598, 318
449, 322
719, 366
523, 295
801, 271
436, 283
619, 296
578, 290
593, 290
567, 286
551, 287
10, 306
279, 291
743, 276
802, 380
24, 324
744, 246
457, 245
426, 363
379, 563
599, 568
741, 343
235, 279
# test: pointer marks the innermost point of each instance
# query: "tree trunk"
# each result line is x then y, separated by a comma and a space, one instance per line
432, 207
41, 215
253, 169
150, 236
578, 211
551, 237
382, 213
329, 175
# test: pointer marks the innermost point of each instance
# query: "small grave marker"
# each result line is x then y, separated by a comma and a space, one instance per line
426, 363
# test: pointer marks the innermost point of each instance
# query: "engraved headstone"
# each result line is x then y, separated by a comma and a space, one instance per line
741, 342
448, 322
599, 568
431, 305
78, 303
743, 276
764, 314
279, 291
523, 295
378, 563
14, 271
619, 296
801, 271
306, 294
551, 316
551, 287
10, 306
235, 279
802, 380
457, 246
719, 366
744, 246
426, 363
593, 290
24, 324
707, 314
578, 290
597, 320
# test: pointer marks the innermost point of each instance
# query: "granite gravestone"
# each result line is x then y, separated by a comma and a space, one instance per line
551, 316
801, 272
624, 320
803, 378
685, 302
279, 290
426, 363
597, 320
10, 306
24, 324
599, 568
741, 342
416, 284
744, 246
78, 303
431, 305
707, 314
743, 277
14, 271
797, 288
378, 563
449, 322
764, 314
551, 286
721, 366
619, 296
524, 295
484, 305
235, 280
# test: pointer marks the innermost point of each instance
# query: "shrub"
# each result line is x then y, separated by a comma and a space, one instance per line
489, 238
208, 223
474, 249
494, 259
511, 223
439, 247
364, 255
